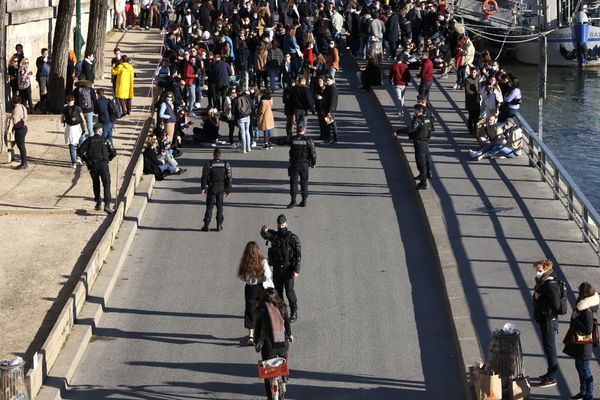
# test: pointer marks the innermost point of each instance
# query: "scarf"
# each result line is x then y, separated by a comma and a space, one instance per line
276, 323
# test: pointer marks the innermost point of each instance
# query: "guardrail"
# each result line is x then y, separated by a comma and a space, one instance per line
578, 207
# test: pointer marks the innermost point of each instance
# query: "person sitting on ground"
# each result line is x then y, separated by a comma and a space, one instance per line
157, 163
370, 75
507, 143
209, 132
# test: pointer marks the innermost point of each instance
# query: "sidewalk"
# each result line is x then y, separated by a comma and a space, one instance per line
47, 218
500, 218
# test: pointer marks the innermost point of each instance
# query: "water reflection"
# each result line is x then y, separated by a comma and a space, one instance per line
571, 114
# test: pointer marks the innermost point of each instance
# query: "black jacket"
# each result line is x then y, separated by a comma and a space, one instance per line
420, 128
584, 324
295, 244
264, 331
104, 111
87, 71
216, 176
546, 306
302, 99
152, 163
330, 99
96, 148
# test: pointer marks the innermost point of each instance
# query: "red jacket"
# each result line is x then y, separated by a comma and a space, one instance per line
399, 75
426, 73
188, 73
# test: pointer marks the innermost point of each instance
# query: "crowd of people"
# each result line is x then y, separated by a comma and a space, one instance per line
223, 61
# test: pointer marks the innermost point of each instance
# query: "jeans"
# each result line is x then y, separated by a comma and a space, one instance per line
73, 153
364, 45
20, 134
586, 379
164, 20
331, 130
107, 131
400, 90
89, 122
332, 72
494, 149
272, 77
244, 126
144, 16
460, 74
191, 97
549, 330
43, 82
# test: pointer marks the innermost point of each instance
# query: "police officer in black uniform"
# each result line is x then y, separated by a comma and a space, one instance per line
284, 257
216, 182
302, 154
96, 152
420, 133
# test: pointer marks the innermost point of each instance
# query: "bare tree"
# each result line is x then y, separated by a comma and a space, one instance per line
60, 56
96, 36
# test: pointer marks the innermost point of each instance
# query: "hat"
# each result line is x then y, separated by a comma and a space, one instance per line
83, 82
281, 219
98, 127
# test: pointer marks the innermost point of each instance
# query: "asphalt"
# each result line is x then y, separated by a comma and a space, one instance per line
501, 217
372, 318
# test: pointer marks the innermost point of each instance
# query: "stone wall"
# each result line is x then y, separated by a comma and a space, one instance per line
31, 23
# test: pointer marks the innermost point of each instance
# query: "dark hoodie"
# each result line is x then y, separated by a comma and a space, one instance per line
584, 323
546, 306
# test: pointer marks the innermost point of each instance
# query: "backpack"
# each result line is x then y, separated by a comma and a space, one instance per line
84, 98
280, 251
244, 107
115, 109
72, 117
564, 304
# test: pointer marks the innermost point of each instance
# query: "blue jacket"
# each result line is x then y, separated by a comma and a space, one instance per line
102, 108
221, 70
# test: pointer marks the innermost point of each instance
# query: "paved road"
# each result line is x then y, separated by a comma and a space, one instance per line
372, 323
500, 218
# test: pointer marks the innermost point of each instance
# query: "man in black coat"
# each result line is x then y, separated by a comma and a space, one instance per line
328, 107
392, 32
96, 152
106, 115
420, 133
301, 101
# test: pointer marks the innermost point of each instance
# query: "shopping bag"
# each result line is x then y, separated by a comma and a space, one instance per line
490, 386
519, 388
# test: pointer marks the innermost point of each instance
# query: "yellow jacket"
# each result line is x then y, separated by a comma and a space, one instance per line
124, 87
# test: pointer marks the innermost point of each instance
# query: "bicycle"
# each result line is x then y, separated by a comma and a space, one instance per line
274, 369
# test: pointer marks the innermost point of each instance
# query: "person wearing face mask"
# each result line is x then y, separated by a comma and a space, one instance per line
87, 67
546, 304
284, 256
333, 59
166, 113
116, 60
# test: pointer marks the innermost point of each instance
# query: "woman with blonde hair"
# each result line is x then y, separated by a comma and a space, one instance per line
255, 271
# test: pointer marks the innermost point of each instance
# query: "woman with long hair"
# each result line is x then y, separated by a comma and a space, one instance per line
272, 328
255, 271
582, 324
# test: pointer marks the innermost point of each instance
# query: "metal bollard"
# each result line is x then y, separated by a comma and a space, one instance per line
12, 380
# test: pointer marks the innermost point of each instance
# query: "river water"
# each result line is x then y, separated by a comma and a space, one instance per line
571, 120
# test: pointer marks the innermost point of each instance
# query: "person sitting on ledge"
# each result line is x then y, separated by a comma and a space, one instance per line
370, 75
508, 142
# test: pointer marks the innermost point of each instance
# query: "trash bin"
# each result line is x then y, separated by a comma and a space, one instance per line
505, 356
12, 380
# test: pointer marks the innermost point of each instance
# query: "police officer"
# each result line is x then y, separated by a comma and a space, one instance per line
96, 151
216, 182
302, 154
284, 256
420, 133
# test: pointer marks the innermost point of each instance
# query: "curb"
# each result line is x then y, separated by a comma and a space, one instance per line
55, 363
465, 339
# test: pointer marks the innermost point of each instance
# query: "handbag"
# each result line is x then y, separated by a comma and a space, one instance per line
328, 119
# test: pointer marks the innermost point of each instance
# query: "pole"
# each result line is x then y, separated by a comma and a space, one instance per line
78, 37
543, 70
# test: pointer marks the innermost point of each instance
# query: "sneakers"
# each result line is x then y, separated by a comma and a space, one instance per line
547, 382
98, 206
108, 208
243, 151
253, 144
302, 203
266, 146
219, 227
422, 186
197, 105
250, 341
578, 396
79, 162
473, 153
294, 316
180, 171
74, 165
204, 228
248, 149
292, 204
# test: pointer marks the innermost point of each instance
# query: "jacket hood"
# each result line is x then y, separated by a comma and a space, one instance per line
588, 302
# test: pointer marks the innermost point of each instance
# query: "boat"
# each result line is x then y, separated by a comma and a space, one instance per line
572, 29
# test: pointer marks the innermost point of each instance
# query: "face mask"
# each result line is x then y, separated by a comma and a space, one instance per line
331, 46
539, 274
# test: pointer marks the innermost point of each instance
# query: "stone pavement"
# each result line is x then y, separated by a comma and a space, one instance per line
500, 218
372, 319
48, 223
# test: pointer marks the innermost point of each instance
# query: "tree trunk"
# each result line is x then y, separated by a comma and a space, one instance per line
2, 71
96, 36
60, 56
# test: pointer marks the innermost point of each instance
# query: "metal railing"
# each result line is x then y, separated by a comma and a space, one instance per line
578, 207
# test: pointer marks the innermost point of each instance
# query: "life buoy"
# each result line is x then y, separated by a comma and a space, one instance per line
489, 7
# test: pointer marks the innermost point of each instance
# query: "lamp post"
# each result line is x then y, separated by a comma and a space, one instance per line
78, 37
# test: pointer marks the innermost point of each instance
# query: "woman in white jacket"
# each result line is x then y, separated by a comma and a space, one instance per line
491, 97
